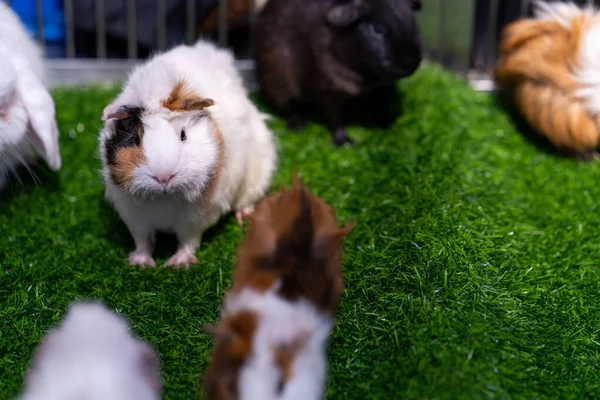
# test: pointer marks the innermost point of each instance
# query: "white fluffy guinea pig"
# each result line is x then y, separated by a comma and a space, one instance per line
93, 355
182, 146
27, 116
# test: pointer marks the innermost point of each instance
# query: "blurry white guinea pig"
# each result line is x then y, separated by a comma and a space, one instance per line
182, 146
27, 120
92, 355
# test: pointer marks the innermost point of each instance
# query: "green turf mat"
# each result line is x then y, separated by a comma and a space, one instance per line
472, 272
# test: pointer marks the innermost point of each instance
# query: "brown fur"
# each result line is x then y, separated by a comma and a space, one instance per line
183, 98
284, 357
537, 59
293, 237
128, 159
233, 343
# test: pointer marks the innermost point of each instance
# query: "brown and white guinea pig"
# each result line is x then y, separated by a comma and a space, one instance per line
271, 340
181, 147
330, 51
550, 65
93, 355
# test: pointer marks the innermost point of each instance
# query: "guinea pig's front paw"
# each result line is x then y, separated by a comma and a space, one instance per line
141, 258
181, 259
243, 213
340, 138
590, 155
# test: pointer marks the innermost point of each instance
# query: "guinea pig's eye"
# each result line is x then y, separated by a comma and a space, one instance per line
378, 29
183, 135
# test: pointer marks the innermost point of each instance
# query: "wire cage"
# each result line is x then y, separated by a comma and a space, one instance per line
98, 41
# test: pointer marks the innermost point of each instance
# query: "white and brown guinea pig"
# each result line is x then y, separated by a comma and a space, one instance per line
92, 355
271, 341
182, 146
551, 65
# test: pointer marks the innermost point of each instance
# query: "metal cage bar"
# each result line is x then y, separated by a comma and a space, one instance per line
161, 25
474, 56
40, 21
131, 30
69, 28
190, 10
100, 30
222, 23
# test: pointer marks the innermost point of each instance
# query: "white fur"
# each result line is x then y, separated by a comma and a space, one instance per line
93, 356
561, 12
588, 73
259, 5
250, 154
282, 322
29, 127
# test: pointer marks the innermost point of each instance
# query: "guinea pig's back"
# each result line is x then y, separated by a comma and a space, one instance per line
283, 35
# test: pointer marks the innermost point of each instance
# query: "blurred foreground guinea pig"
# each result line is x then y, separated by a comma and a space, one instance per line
92, 355
271, 342
182, 146
330, 51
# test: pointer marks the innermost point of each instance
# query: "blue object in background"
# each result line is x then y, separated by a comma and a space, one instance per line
53, 23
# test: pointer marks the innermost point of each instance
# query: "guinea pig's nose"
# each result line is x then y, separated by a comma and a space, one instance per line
163, 179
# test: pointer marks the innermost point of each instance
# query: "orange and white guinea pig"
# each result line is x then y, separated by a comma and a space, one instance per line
551, 63
271, 341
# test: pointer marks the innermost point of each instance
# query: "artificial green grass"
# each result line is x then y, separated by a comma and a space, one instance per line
472, 271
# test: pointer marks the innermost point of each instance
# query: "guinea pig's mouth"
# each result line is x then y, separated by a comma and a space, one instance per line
178, 192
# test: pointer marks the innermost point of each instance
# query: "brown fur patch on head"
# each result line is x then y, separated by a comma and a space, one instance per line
183, 98
536, 64
233, 344
294, 237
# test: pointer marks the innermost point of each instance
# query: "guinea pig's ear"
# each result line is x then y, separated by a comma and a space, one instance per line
416, 5
112, 112
346, 14
182, 98
39, 105
108, 112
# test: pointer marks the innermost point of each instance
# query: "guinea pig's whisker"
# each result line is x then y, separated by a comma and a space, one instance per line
29, 169
13, 172
22, 161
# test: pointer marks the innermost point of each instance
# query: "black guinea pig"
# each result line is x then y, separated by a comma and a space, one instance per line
331, 51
